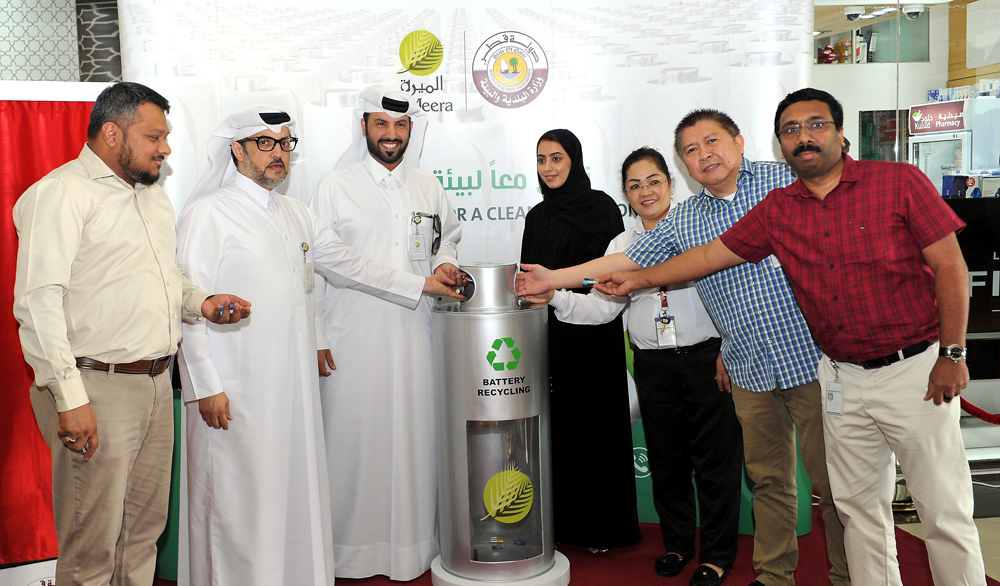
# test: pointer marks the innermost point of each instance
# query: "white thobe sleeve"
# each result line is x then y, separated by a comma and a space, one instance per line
451, 233
335, 259
319, 307
200, 241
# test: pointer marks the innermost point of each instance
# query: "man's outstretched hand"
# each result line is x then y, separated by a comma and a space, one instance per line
446, 281
618, 283
225, 308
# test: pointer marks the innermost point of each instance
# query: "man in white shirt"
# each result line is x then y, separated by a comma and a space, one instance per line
378, 406
259, 510
100, 299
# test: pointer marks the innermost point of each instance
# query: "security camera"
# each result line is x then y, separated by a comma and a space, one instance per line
853, 12
913, 11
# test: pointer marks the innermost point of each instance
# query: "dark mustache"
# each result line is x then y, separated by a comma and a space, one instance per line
805, 147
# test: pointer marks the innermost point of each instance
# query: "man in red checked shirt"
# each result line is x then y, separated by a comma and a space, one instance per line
870, 251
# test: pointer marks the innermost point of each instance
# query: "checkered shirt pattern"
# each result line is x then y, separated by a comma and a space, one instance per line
854, 258
766, 343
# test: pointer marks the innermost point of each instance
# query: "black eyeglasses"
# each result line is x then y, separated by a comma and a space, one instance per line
436, 225
816, 127
266, 143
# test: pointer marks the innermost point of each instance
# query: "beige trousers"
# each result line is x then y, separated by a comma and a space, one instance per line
769, 422
884, 413
110, 510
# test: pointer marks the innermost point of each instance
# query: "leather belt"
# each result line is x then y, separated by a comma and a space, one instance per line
694, 347
147, 367
894, 357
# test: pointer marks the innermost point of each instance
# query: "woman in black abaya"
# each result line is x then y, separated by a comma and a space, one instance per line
593, 475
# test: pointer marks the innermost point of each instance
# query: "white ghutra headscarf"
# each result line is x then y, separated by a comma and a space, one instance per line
383, 98
221, 169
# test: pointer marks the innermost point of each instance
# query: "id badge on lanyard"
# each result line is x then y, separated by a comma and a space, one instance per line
307, 269
666, 331
418, 240
834, 392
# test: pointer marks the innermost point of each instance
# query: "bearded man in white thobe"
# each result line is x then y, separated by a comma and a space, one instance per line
378, 406
259, 508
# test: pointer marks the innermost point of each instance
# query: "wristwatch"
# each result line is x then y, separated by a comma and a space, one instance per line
954, 352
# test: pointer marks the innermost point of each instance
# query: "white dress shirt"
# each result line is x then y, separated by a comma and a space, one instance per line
96, 275
693, 324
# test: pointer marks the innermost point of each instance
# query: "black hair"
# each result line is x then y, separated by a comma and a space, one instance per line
119, 104
808, 95
552, 136
645, 154
695, 116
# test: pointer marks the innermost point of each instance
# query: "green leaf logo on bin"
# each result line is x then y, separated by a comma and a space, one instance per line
491, 356
508, 495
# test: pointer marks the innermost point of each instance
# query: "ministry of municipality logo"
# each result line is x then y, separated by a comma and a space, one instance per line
510, 69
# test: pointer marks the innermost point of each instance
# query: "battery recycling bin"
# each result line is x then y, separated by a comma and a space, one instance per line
494, 480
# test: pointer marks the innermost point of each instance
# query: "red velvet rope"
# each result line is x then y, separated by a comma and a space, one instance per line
977, 412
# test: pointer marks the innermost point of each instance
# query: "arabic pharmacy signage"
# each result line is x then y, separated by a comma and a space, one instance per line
510, 69
937, 117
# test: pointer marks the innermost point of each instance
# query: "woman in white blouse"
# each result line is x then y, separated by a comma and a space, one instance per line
690, 426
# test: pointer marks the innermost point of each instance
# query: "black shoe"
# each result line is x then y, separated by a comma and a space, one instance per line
756, 583
707, 576
670, 564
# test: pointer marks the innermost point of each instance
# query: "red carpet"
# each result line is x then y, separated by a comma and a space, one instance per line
634, 565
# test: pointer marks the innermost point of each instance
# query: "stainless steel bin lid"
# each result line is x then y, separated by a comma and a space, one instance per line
490, 289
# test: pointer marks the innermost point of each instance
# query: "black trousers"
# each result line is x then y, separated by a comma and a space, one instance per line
691, 427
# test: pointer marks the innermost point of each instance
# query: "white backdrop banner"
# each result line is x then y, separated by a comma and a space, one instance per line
492, 79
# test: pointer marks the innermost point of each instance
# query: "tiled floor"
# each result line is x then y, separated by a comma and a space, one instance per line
989, 540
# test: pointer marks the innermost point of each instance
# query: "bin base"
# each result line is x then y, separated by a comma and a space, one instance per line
557, 575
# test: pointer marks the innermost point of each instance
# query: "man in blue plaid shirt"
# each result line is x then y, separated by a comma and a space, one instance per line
767, 350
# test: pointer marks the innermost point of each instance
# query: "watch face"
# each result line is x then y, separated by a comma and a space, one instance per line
955, 352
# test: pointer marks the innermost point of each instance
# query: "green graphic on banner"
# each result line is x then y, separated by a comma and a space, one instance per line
491, 356
420, 53
508, 495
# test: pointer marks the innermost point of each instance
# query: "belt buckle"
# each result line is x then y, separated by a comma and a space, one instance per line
155, 363
887, 360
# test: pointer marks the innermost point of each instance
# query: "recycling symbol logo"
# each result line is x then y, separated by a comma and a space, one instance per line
491, 357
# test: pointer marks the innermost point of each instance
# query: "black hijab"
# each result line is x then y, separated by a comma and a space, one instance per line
574, 223
575, 202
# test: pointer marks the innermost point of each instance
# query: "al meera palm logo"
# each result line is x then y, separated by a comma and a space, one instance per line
493, 355
420, 53
508, 495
